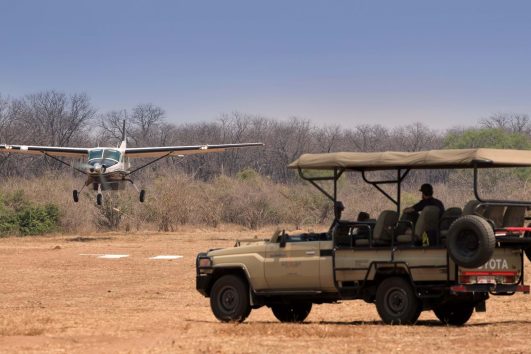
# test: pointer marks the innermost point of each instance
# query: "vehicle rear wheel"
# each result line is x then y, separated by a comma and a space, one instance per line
229, 299
291, 312
99, 199
75, 194
396, 301
142, 196
528, 249
454, 314
471, 241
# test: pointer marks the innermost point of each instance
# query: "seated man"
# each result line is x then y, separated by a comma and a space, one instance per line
412, 213
427, 199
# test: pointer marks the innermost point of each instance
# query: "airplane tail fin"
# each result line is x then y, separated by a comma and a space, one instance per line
124, 138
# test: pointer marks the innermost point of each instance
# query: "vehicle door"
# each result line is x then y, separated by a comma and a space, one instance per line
294, 265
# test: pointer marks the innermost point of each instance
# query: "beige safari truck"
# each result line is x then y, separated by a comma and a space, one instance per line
449, 263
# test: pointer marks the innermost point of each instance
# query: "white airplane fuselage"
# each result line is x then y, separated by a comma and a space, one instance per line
107, 168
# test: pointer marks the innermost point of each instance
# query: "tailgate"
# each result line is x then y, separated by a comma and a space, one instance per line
502, 274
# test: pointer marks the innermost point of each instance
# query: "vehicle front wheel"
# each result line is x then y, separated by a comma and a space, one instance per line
396, 301
454, 314
292, 312
229, 299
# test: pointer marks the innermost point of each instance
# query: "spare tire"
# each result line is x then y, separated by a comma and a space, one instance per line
471, 241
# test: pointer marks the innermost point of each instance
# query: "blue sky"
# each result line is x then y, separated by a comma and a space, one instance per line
444, 63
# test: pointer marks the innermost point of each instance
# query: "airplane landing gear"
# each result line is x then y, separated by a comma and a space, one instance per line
142, 193
76, 193
99, 197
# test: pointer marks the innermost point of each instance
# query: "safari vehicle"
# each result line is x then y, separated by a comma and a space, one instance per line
474, 252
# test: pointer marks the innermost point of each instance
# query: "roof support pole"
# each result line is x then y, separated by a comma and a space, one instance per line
398, 189
521, 203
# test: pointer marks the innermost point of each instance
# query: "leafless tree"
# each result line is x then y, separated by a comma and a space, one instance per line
511, 122
146, 118
111, 126
415, 137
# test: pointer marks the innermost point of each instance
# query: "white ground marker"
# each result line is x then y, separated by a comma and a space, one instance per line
113, 256
166, 257
105, 256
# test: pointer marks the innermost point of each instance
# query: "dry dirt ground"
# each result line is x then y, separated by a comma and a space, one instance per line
53, 299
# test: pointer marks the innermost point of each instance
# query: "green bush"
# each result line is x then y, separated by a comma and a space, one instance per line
18, 216
38, 220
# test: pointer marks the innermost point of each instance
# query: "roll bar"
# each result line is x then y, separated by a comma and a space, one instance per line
400, 176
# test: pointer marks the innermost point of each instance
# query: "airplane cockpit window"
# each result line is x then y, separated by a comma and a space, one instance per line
111, 154
95, 154
105, 157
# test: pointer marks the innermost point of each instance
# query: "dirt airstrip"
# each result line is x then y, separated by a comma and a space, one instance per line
54, 299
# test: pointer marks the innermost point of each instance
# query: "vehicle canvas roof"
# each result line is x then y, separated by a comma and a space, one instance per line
432, 159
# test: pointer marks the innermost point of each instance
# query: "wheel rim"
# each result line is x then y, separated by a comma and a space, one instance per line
396, 301
228, 299
467, 243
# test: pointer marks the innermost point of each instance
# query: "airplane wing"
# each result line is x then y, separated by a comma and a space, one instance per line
46, 150
182, 150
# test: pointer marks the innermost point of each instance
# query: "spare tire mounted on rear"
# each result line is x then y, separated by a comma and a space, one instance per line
471, 241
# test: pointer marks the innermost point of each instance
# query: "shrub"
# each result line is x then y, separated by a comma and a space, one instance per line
38, 219
18, 216
110, 213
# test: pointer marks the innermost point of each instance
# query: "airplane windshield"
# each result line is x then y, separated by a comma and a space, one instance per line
95, 154
105, 157
111, 154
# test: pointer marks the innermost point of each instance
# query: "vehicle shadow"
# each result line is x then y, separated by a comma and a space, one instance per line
425, 323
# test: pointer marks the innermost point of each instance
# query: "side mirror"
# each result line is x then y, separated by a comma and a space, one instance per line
283, 239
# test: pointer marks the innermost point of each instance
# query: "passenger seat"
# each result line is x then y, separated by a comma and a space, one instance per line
383, 229
447, 218
495, 213
471, 208
514, 216
428, 222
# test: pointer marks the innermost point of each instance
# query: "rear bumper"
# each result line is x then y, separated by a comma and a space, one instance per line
490, 288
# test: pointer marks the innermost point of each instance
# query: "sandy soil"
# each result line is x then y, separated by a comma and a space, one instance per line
54, 299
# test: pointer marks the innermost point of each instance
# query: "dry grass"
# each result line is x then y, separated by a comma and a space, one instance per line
54, 300
253, 201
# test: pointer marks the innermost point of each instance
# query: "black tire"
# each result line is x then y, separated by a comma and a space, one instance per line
99, 199
471, 241
396, 301
528, 249
292, 312
75, 194
142, 196
454, 314
229, 299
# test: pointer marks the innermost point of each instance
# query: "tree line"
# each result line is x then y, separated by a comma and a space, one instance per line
59, 119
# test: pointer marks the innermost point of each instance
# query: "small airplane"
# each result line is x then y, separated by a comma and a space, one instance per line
108, 168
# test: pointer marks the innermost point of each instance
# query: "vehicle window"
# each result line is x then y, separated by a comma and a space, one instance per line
95, 154
111, 154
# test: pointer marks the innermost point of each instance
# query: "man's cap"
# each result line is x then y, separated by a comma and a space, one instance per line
427, 189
